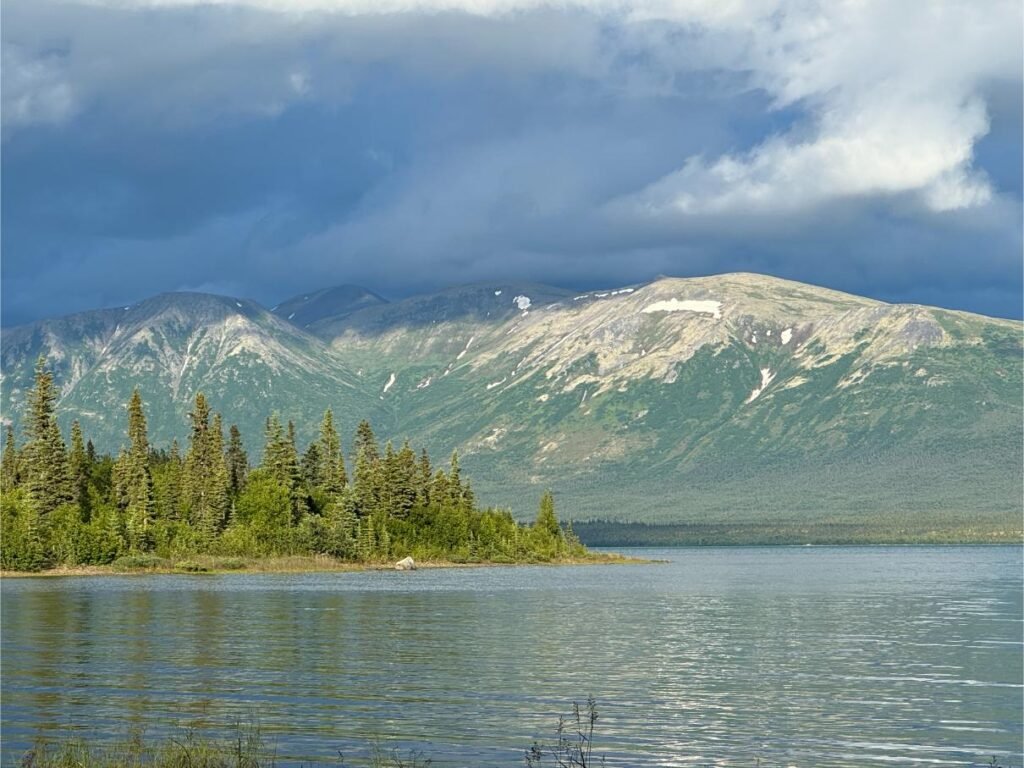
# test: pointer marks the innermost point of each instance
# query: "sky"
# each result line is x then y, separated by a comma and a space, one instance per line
264, 148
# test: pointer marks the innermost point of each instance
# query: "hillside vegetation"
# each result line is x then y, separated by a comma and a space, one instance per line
734, 399
64, 507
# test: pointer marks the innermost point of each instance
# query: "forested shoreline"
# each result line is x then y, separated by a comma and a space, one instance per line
66, 505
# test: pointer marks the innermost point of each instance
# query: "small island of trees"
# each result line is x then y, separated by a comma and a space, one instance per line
63, 506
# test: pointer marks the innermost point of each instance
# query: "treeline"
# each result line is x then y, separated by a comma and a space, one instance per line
872, 530
71, 506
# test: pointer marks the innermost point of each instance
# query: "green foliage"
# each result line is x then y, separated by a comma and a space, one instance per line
205, 476
44, 462
237, 461
20, 533
151, 508
9, 465
140, 562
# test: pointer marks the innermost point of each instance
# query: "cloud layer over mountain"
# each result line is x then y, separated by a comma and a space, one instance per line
264, 147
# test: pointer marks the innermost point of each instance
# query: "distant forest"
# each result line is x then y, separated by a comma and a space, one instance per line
71, 506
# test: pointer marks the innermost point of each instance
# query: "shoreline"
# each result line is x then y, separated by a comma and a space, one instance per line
221, 566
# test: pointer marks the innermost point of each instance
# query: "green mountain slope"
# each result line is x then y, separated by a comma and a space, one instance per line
247, 361
735, 398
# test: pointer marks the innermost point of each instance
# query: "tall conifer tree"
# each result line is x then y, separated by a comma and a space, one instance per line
205, 478
45, 459
332, 476
140, 505
237, 461
80, 468
9, 470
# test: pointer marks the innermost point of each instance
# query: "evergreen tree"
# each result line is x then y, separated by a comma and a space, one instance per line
367, 475
281, 460
311, 466
405, 482
9, 469
237, 462
388, 481
332, 476
169, 499
424, 479
205, 476
366, 442
439, 488
81, 469
547, 526
45, 461
455, 481
139, 504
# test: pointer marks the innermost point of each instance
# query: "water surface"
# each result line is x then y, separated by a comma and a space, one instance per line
724, 656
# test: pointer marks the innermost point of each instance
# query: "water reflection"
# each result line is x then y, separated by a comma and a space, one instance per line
831, 656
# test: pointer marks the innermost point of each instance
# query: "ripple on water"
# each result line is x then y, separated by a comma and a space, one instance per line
794, 656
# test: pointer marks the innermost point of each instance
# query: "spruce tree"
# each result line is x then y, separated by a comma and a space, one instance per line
139, 503
237, 461
366, 442
405, 480
81, 469
388, 480
274, 449
171, 501
332, 476
547, 521
45, 460
9, 470
205, 477
424, 479
281, 460
367, 475
455, 481
310, 466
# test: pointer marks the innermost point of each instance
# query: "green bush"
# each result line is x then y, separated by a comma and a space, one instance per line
190, 566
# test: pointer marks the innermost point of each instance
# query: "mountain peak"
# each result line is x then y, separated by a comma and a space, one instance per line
338, 301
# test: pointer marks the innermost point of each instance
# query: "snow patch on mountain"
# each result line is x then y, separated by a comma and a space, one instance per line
706, 307
462, 354
766, 379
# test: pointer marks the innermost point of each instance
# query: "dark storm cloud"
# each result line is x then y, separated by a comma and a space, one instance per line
257, 152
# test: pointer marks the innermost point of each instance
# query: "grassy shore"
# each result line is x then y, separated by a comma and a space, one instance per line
215, 565
245, 747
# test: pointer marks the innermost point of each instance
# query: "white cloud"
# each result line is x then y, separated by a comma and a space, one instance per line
888, 93
892, 90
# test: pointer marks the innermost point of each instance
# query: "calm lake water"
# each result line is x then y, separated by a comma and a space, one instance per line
795, 656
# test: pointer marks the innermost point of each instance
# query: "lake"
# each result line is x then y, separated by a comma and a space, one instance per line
805, 656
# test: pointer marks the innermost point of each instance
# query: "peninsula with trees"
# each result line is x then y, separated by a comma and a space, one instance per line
204, 506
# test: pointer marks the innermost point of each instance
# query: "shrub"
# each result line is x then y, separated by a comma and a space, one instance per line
190, 566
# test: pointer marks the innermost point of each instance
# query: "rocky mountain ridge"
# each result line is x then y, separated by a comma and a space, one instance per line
727, 397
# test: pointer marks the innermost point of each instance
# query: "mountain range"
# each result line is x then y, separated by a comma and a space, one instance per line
735, 398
